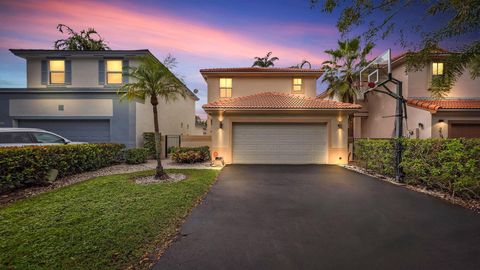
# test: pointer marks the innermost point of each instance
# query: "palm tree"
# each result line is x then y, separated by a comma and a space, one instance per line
302, 64
341, 72
265, 61
86, 40
153, 80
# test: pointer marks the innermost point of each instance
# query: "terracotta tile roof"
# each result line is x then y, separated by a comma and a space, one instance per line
433, 105
278, 101
435, 52
260, 69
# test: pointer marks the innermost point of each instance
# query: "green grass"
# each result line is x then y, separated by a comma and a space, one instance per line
104, 223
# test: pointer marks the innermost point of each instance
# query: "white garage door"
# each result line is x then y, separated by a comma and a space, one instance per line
279, 143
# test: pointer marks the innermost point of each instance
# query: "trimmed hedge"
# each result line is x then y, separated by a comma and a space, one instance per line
450, 165
136, 155
190, 154
28, 166
149, 143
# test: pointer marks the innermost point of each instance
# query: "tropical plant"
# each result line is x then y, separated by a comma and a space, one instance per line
265, 61
341, 71
153, 80
86, 40
437, 21
302, 64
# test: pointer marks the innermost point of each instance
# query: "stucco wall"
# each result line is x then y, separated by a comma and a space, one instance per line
84, 72
419, 82
243, 86
71, 107
175, 118
337, 141
415, 118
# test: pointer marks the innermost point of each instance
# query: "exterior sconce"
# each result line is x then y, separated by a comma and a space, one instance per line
221, 124
420, 125
340, 126
440, 121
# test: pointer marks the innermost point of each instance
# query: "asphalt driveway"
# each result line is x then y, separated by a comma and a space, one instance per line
321, 217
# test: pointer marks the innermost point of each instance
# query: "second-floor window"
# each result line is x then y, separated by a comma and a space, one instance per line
225, 87
114, 71
297, 86
57, 71
437, 69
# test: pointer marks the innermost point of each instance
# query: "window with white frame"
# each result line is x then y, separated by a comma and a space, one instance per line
114, 71
225, 87
57, 71
297, 86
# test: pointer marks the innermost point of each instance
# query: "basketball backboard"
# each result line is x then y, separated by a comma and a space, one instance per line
378, 71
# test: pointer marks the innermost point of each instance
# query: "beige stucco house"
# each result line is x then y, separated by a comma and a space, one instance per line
272, 115
74, 94
456, 115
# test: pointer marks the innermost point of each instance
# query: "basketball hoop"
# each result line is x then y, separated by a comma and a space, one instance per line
377, 77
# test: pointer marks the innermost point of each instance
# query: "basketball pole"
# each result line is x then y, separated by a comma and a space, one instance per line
399, 115
399, 131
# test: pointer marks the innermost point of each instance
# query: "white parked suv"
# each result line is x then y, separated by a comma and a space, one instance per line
30, 136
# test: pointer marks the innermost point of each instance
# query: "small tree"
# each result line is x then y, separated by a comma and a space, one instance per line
265, 61
86, 40
303, 64
153, 80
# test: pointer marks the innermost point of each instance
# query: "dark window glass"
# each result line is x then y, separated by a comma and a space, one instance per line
47, 138
15, 137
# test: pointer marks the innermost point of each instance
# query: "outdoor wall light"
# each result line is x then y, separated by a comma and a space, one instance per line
440, 121
221, 124
420, 125
340, 126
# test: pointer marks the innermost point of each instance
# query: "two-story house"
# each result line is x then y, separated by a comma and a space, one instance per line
272, 115
74, 94
456, 115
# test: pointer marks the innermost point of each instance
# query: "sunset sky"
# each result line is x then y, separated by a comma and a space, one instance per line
201, 34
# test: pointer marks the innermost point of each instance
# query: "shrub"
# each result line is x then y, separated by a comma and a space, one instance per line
28, 166
190, 154
136, 155
450, 165
149, 143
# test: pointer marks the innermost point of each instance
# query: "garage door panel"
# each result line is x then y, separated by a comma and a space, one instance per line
75, 130
279, 143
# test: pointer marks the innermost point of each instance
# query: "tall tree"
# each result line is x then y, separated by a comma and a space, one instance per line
154, 81
265, 61
439, 21
341, 71
86, 40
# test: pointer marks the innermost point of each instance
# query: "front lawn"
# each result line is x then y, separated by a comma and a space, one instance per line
105, 223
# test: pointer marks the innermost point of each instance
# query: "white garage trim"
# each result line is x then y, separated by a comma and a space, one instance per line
280, 143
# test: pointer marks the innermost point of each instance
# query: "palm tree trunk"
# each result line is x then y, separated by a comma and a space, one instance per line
160, 173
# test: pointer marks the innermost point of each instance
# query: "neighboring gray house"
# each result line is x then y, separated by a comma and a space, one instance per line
74, 94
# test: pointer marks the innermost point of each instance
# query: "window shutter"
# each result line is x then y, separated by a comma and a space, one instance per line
44, 67
101, 72
68, 72
125, 71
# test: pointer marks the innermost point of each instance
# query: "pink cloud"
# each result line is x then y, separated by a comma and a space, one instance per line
126, 28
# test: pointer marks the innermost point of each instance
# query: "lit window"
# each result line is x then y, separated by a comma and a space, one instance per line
437, 69
297, 85
114, 71
225, 87
57, 71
